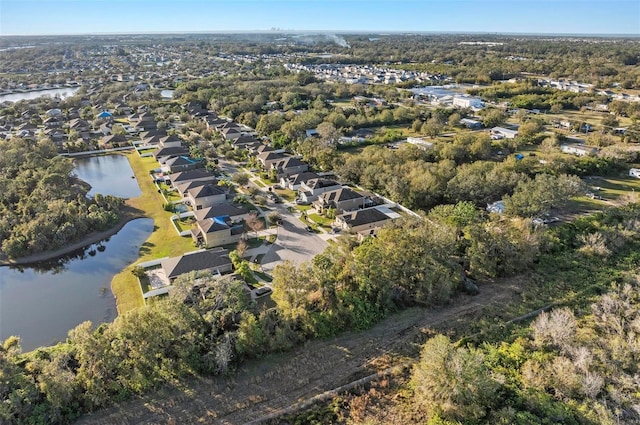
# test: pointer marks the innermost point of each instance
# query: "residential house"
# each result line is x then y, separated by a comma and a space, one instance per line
469, 123
216, 261
170, 152
216, 231
56, 135
243, 140
289, 166
231, 133
152, 133
181, 163
265, 148
268, 158
206, 196
579, 149
236, 212
364, 222
171, 141
53, 122
343, 199
113, 140
467, 102
197, 175
295, 181
312, 188
79, 125
504, 132
213, 121
420, 142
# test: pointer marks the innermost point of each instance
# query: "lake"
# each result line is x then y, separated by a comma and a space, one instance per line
108, 175
61, 92
42, 302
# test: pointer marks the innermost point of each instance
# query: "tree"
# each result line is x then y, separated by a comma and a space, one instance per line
556, 108
533, 197
610, 121
453, 382
529, 130
432, 127
273, 218
493, 118
328, 132
255, 223
454, 119
241, 179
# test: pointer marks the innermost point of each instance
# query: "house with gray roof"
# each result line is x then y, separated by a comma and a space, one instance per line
236, 212
216, 261
295, 181
311, 189
289, 166
343, 199
216, 231
199, 174
364, 222
181, 163
206, 196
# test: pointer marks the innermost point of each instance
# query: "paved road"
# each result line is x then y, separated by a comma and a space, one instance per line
293, 242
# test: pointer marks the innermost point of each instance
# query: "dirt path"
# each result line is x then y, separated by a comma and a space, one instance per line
276, 382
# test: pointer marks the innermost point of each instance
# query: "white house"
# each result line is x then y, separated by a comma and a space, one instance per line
467, 102
420, 142
504, 132
579, 149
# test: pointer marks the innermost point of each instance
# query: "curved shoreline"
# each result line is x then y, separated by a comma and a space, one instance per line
128, 213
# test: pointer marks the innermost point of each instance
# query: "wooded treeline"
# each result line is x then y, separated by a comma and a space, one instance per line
42, 205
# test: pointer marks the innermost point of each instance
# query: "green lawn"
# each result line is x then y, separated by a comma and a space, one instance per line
286, 194
263, 276
617, 185
163, 242
321, 220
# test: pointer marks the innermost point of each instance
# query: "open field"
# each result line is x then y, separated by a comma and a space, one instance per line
163, 242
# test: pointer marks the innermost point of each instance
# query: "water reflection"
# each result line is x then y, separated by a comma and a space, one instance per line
42, 302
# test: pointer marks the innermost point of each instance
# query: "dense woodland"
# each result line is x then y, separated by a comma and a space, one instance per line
42, 205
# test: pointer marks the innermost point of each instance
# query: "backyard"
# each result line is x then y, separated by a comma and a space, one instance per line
163, 242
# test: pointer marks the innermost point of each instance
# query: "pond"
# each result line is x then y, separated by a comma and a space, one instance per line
108, 175
61, 92
42, 302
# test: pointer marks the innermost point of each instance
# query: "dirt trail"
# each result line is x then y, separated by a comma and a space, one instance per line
262, 387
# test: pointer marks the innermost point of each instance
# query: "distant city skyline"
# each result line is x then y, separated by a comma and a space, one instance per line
62, 17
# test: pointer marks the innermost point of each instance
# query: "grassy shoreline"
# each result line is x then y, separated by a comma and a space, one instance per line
163, 242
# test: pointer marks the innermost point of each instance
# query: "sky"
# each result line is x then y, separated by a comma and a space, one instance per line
50, 17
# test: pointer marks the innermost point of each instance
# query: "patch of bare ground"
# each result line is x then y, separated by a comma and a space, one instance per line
266, 387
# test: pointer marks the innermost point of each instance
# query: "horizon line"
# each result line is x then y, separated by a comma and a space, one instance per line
343, 32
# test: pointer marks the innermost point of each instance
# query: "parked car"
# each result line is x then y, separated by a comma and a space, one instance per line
308, 229
263, 290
